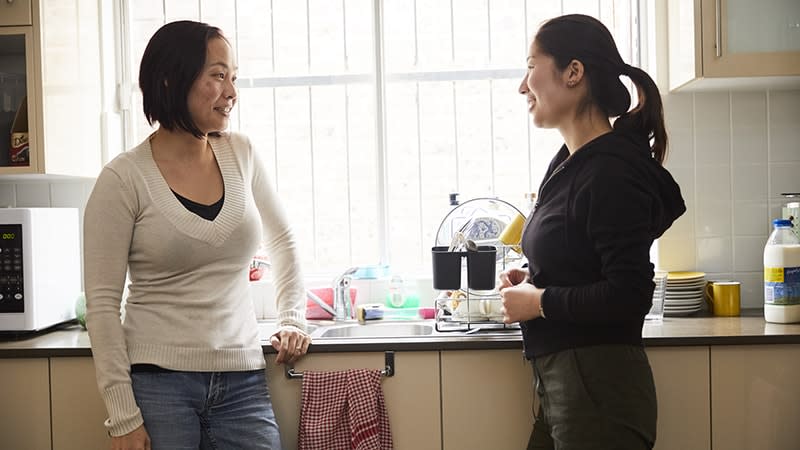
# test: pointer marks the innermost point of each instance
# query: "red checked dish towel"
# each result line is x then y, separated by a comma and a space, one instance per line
343, 411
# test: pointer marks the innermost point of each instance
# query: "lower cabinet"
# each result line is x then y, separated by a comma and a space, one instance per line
487, 399
412, 394
24, 404
755, 397
682, 387
719, 397
78, 410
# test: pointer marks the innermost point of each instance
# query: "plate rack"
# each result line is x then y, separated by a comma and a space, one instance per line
466, 310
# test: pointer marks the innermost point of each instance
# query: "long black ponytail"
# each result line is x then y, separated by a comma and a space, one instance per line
647, 118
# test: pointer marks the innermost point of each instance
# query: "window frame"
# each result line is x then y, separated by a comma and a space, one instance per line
641, 22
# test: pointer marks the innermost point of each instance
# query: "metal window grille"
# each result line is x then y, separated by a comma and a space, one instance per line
370, 112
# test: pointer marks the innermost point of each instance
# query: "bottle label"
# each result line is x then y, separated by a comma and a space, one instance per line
782, 285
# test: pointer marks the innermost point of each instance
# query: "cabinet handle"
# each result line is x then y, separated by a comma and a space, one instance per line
718, 23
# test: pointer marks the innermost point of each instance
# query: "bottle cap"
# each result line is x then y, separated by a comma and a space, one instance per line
781, 223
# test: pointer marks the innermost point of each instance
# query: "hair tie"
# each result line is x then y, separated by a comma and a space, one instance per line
625, 69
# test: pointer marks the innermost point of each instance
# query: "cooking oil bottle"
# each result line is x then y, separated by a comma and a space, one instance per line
782, 274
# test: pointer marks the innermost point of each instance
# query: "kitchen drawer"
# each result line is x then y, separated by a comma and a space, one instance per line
15, 12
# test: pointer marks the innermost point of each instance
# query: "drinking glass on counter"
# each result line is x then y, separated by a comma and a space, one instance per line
656, 314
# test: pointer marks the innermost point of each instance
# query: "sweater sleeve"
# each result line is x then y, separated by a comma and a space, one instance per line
107, 230
618, 210
281, 247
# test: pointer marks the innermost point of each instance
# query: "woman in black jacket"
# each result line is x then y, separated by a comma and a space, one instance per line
582, 300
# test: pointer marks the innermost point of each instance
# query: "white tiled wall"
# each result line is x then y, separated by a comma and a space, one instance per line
733, 154
46, 191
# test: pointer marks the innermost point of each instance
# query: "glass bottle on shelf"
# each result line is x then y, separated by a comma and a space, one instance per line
14, 138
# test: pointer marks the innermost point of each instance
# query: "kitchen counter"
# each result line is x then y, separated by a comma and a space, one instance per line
749, 329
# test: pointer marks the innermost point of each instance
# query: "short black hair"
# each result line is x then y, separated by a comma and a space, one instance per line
172, 61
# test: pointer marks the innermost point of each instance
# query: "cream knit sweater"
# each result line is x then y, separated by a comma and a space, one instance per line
188, 306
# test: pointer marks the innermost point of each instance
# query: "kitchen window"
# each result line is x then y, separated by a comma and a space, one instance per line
371, 112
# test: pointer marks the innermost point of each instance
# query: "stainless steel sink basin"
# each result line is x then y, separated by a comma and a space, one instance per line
267, 328
378, 330
328, 329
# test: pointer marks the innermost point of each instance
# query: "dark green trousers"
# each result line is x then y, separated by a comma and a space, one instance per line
600, 397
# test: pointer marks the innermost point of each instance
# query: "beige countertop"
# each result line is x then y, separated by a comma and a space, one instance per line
749, 329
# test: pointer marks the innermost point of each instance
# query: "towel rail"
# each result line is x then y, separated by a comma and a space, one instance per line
388, 370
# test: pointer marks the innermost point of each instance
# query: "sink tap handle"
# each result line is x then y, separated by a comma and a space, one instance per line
342, 302
344, 291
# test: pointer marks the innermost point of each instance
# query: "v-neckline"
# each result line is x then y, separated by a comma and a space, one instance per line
214, 231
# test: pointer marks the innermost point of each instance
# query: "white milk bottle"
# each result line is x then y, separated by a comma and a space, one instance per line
782, 274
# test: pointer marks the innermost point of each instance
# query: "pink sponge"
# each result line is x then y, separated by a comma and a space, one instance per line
314, 311
427, 313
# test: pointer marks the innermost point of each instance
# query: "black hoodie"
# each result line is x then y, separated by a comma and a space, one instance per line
588, 243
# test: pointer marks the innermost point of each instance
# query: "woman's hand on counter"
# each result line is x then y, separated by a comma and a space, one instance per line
291, 344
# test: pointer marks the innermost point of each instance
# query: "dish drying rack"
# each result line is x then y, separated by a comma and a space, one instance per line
474, 303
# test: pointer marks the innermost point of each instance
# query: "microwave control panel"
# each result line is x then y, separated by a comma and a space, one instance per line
11, 280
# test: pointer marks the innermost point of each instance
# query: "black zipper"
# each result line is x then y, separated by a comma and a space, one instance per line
541, 188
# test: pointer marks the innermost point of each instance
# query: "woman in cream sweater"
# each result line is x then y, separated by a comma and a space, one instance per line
182, 214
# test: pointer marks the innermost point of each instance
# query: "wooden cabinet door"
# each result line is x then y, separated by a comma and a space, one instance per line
25, 404
15, 12
749, 39
487, 399
62, 65
682, 387
78, 409
412, 394
722, 44
755, 397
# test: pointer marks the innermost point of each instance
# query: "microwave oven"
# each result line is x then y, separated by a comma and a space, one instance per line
40, 267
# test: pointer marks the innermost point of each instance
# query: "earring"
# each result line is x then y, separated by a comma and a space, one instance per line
570, 84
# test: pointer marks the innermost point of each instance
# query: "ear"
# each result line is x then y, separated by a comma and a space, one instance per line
573, 74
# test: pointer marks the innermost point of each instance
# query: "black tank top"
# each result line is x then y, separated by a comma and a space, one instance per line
208, 212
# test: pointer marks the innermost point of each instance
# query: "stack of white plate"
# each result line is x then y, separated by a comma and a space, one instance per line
685, 293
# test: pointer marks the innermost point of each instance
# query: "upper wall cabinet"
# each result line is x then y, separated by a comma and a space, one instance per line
734, 44
50, 87
15, 12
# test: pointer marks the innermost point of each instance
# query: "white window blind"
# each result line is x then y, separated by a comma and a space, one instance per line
370, 112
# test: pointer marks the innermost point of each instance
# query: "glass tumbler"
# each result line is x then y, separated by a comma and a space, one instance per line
656, 314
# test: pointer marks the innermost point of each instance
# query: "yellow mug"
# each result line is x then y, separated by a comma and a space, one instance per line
724, 297
512, 233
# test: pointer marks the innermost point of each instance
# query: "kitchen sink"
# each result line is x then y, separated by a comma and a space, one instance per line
267, 328
328, 329
378, 330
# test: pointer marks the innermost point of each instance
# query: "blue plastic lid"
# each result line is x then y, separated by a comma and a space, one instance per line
371, 272
781, 223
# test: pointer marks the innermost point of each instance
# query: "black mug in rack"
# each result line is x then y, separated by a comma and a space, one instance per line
481, 265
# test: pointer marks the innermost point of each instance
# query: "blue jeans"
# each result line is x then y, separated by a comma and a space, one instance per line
207, 410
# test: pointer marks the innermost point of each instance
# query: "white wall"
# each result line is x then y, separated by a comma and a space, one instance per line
733, 154
47, 191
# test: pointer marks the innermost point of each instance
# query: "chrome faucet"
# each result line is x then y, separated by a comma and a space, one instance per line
314, 297
342, 303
